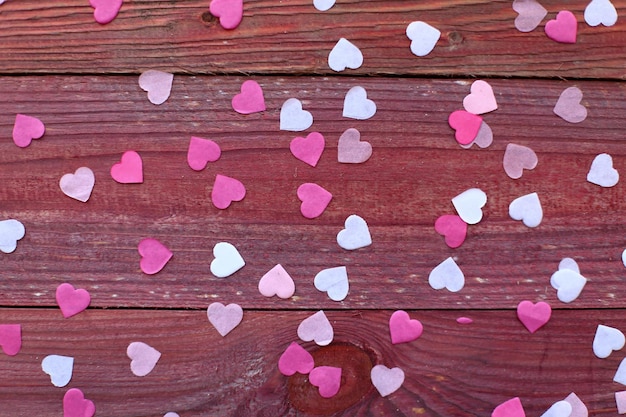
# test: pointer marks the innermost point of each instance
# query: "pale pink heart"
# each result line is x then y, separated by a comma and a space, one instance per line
224, 318
11, 338
27, 128
316, 328
250, 100
563, 28
480, 100
202, 151
351, 150
403, 329
464, 320
517, 158
129, 170
157, 84
483, 139
226, 190
531, 13
620, 402
230, 12
387, 381
568, 106
452, 228
72, 301
143, 358
533, 316
327, 379
75, 404
308, 150
154, 256
509, 408
78, 185
295, 359
105, 10
579, 409
466, 125
277, 282
314, 199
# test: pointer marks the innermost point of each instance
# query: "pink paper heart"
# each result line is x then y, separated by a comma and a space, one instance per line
75, 404
105, 10
201, 152
27, 128
480, 100
129, 170
78, 185
466, 125
568, 106
295, 359
230, 12
483, 139
533, 316
316, 328
403, 329
250, 100
314, 199
308, 150
72, 301
224, 318
517, 158
157, 84
277, 282
452, 228
143, 358
563, 28
531, 13
226, 190
11, 338
154, 256
351, 150
327, 379
509, 408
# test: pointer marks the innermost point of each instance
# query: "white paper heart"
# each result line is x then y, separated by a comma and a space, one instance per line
316, 328
527, 208
600, 12
323, 5
568, 283
10, 232
469, 205
387, 381
293, 117
569, 263
344, 55
158, 84
59, 368
227, 260
606, 340
333, 281
355, 235
356, 105
78, 185
579, 409
423, 37
602, 172
559, 409
624, 257
224, 318
447, 275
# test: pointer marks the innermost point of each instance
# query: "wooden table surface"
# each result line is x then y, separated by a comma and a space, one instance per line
80, 78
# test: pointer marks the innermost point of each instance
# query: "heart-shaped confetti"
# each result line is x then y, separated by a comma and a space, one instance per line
293, 117
466, 126
530, 14
308, 150
157, 84
105, 11
333, 281
171, 414
11, 231
387, 381
277, 282
351, 150
533, 316
423, 37
559, 409
600, 12
464, 320
620, 402
129, 170
11, 338
509, 408
447, 275
356, 234
602, 172
202, 151
469, 205
314, 199
517, 158
568, 106
143, 358
75, 404
295, 359
563, 28
72, 301
344, 55
403, 329
607, 340
568, 283
59, 368
483, 139
27, 128
480, 100
569, 263
78, 185
250, 99
154, 256
230, 12
527, 208
327, 379
452, 228
224, 318
316, 328
356, 105
226, 190
323, 5
579, 409
227, 260
620, 374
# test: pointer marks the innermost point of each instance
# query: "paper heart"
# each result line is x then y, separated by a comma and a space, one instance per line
602, 172
517, 158
314, 199
423, 37
483, 139
351, 150
568, 106
11, 338
464, 320
226, 190
105, 10
316, 328
469, 205
129, 170
345, 55
403, 329
579, 409
171, 414
356, 234
453, 228
509, 408
569, 284
327, 379
559, 409
230, 12
250, 100
72, 301
531, 13
75, 404
620, 374
527, 208
606, 340
143, 358
158, 84
600, 12
11, 231
447, 275
563, 28
277, 282
356, 105
227, 260
333, 281
620, 402
533, 316
293, 117
78, 185
59, 368
308, 150
224, 318
295, 359
202, 151
387, 381
154, 256
480, 100
569, 263
323, 5
27, 128
466, 125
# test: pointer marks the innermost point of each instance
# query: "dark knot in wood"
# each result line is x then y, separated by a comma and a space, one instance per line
455, 38
208, 19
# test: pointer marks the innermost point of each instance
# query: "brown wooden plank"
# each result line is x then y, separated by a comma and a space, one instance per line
478, 38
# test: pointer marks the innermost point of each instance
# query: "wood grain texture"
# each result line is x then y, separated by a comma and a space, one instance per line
478, 38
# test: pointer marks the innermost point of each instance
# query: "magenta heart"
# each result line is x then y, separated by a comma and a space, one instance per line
533, 316
75, 404
154, 255
308, 150
295, 359
226, 190
105, 10
11, 338
563, 28
71, 301
201, 152
327, 379
314, 199
250, 100
509, 408
27, 128
230, 12
403, 329
129, 170
466, 125
452, 228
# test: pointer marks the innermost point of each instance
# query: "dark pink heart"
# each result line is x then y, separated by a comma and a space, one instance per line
201, 152
533, 316
466, 125
403, 329
129, 170
11, 338
250, 100
452, 228
563, 28
295, 359
105, 10
70, 300
226, 190
27, 128
75, 404
308, 150
154, 255
230, 12
327, 379
509, 408
314, 199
